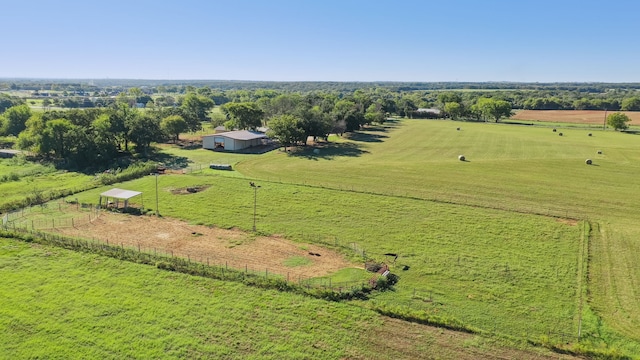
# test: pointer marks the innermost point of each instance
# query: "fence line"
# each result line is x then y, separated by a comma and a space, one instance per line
211, 264
15, 219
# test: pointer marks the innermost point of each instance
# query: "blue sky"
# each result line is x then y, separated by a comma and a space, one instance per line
323, 40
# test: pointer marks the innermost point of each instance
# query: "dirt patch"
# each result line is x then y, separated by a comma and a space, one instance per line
571, 222
190, 190
593, 117
232, 248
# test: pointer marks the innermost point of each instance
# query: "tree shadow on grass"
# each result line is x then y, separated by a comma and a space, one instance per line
329, 151
170, 161
365, 137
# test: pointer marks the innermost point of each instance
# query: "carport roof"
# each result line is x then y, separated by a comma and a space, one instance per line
120, 194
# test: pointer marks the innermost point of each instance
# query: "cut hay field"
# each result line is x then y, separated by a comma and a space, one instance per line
57, 303
585, 117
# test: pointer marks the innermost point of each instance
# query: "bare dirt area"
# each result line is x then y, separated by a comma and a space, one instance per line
592, 117
233, 248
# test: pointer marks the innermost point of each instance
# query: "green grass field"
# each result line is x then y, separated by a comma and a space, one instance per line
498, 242
20, 179
61, 304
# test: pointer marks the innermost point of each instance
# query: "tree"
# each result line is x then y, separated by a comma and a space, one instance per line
618, 121
194, 110
7, 101
244, 115
449, 97
174, 125
143, 130
14, 120
631, 104
315, 122
287, 129
454, 109
374, 114
492, 108
346, 111
55, 137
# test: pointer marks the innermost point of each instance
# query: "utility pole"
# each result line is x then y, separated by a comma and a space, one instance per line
255, 202
157, 211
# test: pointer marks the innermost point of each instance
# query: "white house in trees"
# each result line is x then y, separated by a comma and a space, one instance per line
233, 140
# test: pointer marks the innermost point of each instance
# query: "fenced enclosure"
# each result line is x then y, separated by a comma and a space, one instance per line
209, 267
51, 215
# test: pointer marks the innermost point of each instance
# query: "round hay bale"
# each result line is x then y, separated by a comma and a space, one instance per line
560, 134
589, 134
461, 157
316, 151
458, 129
554, 130
588, 162
599, 152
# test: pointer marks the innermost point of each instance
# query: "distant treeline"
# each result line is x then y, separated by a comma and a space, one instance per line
181, 86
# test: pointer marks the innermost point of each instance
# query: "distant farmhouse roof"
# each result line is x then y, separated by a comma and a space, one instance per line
430, 111
240, 135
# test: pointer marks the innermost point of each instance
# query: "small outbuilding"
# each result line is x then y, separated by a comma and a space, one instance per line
8, 153
233, 140
116, 195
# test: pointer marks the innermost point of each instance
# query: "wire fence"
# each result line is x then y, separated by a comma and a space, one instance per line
51, 216
225, 267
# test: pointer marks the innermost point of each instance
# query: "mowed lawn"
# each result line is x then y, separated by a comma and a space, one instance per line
66, 305
518, 168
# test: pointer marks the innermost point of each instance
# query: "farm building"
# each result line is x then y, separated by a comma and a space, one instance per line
430, 113
8, 153
233, 140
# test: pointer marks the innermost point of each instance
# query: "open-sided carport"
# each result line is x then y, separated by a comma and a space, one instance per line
117, 195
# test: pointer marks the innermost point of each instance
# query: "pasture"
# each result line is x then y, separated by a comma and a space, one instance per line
59, 303
522, 240
21, 179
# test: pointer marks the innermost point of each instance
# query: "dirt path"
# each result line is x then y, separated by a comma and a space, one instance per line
234, 248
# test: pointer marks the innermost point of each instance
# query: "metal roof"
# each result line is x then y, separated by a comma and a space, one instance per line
120, 194
240, 135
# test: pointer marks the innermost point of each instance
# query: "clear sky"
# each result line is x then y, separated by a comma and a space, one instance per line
322, 40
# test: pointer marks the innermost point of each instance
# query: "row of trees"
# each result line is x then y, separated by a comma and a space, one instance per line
88, 137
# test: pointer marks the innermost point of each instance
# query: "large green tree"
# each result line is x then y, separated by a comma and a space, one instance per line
618, 121
174, 125
243, 115
194, 110
631, 104
56, 137
453, 109
346, 111
287, 129
491, 108
375, 113
14, 120
143, 130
